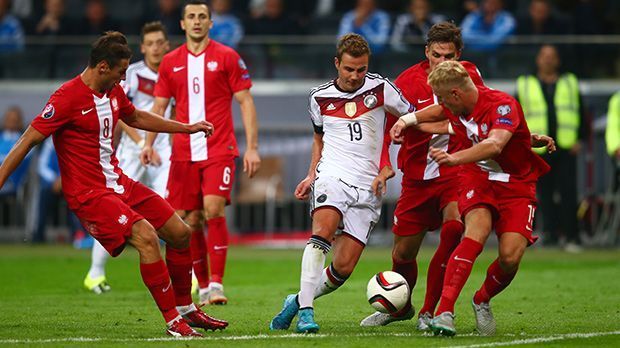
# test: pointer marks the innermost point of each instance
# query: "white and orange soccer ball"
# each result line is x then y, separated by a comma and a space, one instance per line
387, 292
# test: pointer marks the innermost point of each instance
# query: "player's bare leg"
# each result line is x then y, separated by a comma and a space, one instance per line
499, 275
450, 236
217, 247
156, 278
404, 254
478, 224
177, 234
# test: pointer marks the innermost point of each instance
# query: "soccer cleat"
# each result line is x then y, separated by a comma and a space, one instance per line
214, 295
306, 323
485, 323
382, 319
443, 324
282, 320
97, 285
424, 321
180, 328
200, 319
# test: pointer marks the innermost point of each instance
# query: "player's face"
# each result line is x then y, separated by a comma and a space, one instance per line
351, 71
439, 52
112, 76
154, 46
196, 22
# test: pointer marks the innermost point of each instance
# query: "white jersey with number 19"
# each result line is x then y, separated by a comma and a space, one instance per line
353, 125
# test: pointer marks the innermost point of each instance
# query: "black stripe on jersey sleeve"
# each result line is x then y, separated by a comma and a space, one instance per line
318, 129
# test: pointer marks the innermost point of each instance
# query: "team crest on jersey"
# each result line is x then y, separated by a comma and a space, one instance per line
484, 128
370, 101
212, 65
114, 104
242, 64
504, 110
350, 109
48, 111
123, 219
470, 194
322, 198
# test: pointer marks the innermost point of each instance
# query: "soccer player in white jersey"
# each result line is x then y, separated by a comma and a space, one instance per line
139, 86
347, 175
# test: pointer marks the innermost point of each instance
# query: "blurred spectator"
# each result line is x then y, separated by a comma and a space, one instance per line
12, 129
552, 106
612, 136
541, 20
414, 24
22, 8
366, 20
11, 31
273, 21
487, 28
169, 13
53, 22
49, 185
227, 28
96, 19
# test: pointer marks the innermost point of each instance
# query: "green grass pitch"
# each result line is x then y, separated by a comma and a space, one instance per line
557, 299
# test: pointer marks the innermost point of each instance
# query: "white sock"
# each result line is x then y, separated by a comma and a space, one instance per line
312, 263
330, 281
183, 310
99, 257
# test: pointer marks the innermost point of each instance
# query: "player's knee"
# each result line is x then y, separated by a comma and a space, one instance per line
181, 236
194, 220
510, 261
401, 252
213, 210
145, 239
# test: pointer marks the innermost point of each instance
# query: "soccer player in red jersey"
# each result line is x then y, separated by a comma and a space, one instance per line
428, 198
115, 210
497, 189
203, 76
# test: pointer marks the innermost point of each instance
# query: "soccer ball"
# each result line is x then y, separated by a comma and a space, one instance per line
387, 292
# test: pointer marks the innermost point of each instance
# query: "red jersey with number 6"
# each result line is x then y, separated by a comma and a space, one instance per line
203, 85
81, 122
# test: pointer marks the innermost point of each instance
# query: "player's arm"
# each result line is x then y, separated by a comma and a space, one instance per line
148, 155
24, 144
386, 172
251, 158
431, 113
303, 188
132, 133
439, 127
488, 148
149, 121
543, 141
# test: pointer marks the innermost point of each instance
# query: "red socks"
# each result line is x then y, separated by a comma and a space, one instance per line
496, 281
459, 267
450, 237
198, 247
217, 245
156, 278
179, 262
409, 270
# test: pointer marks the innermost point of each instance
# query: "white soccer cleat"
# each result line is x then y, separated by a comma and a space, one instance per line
213, 295
443, 324
382, 319
485, 323
424, 322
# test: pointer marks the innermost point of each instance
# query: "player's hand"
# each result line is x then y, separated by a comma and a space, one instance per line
397, 133
155, 158
251, 162
302, 191
543, 141
146, 155
57, 185
378, 186
442, 158
201, 126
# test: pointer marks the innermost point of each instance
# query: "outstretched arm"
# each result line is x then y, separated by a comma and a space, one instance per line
431, 113
440, 127
488, 148
251, 158
26, 142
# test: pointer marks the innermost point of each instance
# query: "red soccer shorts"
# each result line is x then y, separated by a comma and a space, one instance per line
512, 204
419, 206
109, 217
189, 182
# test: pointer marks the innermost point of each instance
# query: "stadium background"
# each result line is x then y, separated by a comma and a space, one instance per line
287, 55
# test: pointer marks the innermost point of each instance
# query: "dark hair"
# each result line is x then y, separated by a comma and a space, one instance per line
153, 27
443, 32
353, 44
196, 2
111, 47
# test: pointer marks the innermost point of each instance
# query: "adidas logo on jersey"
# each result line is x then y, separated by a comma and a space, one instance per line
331, 107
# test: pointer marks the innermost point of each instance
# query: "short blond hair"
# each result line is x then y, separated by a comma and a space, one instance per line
449, 74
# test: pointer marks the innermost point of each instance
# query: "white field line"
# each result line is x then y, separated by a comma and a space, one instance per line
315, 336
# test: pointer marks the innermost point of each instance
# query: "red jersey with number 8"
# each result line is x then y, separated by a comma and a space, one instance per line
203, 85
